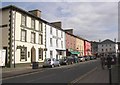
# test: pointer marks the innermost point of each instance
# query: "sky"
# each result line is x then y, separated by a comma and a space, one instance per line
93, 21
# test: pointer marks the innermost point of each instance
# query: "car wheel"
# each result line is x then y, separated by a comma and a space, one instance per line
59, 65
52, 66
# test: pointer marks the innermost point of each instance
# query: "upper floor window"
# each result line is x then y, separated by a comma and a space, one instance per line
110, 44
56, 32
23, 20
33, 23
50, 41
102, 45
40, 27
23, 35
32, 37
40, 39
106, 45
102, 50
50, 30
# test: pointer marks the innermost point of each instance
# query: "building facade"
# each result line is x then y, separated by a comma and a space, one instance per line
55, 42
87, 48
107, 47
94, 48
23, 36
80, 46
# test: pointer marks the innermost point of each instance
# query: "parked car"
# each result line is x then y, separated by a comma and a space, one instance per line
91, 57
70, 60
76, 60
63, 61
51, 62
87, 58
81, 58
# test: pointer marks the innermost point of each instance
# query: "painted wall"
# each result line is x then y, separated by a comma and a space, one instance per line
70, 42
87, 48
80, 46
54, 37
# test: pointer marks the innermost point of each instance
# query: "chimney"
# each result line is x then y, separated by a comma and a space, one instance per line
57, 24
69, 31
36, 12
99, 40
114, 39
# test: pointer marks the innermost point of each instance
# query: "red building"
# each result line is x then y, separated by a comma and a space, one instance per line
87, 48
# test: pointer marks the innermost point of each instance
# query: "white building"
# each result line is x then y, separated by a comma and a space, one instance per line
27, 38
55, 41
23, 36
107, 47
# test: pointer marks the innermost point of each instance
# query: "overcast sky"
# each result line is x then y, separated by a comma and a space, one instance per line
90, 20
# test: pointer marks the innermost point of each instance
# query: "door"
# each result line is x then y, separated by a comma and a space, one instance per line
33, 54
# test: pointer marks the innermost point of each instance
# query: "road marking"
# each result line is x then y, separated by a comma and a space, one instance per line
21, 75
81, 77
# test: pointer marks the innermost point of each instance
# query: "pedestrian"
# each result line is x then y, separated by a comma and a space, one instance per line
102, 61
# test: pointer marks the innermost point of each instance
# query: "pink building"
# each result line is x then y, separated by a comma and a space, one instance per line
87, 48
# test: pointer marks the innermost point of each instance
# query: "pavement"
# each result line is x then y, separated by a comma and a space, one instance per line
97, 75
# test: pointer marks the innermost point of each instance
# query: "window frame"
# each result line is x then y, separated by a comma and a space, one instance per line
34, 37
22, 30
23, 53
25, 21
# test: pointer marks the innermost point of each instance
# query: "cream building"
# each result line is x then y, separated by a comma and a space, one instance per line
23, 36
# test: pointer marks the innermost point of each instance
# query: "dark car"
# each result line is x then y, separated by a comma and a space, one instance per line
87, 58
63, 61
76, 59
70, 60
91, 57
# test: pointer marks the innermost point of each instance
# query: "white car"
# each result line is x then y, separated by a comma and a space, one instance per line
51, 62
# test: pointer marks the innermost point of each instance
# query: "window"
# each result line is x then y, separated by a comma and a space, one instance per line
110, 44
110, 49
106, 50
23, 54
32, 37
61, 34
23, 35
40, 53
56, 32
102, 50
106, 45
23, 20
51, 54
50, 41
40, 27
40, 39
33, 23
56, 42
61, 44
50, 30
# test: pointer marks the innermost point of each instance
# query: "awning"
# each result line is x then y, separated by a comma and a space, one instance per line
74, 52
60, 49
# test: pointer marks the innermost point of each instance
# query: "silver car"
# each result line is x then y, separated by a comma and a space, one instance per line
51, 62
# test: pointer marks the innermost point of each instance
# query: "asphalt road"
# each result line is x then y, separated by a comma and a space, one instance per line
62, 74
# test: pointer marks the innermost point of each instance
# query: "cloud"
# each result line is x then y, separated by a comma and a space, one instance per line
90, 20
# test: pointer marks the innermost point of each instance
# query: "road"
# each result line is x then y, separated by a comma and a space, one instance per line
62, 74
